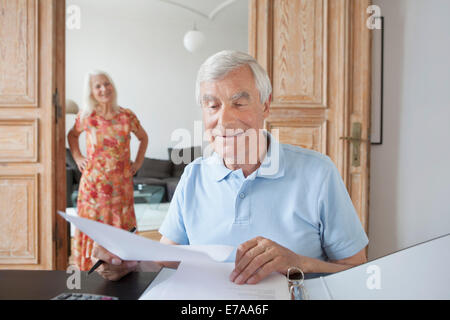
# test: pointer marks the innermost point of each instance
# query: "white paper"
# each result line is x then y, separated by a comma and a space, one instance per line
156, 289
419, 272
210, 281
130, 247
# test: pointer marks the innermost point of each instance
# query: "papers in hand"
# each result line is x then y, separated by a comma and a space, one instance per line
130, 247
201, 267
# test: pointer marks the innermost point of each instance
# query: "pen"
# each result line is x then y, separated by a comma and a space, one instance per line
99, 262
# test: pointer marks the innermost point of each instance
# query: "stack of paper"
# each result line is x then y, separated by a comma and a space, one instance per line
210, 281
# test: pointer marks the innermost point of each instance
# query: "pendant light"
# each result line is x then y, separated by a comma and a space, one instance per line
193, 40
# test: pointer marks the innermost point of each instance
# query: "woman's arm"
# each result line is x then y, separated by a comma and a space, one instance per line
143, 138
74, 146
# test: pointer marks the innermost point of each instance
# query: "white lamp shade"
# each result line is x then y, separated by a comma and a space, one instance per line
193, 40
71, 107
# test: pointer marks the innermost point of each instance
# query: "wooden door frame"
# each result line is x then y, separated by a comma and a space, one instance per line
61, 231
359, 105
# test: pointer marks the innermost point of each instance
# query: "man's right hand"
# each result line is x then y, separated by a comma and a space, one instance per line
113, 267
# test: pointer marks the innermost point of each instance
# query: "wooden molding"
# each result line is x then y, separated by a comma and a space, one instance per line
306, 133
18, 77
19, 140
19, 234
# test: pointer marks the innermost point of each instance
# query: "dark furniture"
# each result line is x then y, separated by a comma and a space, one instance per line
73, 176
166, 173
45, 285
154, 172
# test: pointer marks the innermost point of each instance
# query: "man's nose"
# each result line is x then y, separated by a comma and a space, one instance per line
226, 116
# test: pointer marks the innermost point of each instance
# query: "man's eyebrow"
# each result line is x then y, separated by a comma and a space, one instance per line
208, 97
240, 95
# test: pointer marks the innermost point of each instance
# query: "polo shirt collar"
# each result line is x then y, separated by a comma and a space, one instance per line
272, 166
219, 171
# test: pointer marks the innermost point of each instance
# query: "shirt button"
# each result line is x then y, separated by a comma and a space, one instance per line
242, 195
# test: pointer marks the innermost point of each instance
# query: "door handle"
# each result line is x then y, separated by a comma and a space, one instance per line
355, 140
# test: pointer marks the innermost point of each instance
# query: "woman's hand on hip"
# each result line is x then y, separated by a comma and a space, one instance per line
135, 166
81, 162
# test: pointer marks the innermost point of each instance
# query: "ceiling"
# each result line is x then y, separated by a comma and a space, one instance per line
156, 9
205, 6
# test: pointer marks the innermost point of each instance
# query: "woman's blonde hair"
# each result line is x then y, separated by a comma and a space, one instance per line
89, 102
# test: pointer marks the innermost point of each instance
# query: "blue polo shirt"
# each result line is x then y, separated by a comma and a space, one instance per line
296, 198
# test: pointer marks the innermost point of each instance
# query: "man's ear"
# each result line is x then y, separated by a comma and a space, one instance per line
267, 107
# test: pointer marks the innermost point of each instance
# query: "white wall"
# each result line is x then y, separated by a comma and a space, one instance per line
410, 172
140, 43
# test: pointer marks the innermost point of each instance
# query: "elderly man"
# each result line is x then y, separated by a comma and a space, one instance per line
299, 215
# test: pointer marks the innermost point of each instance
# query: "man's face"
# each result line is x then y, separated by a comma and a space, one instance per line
233, 112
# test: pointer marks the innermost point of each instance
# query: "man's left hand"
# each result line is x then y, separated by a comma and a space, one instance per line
259, 257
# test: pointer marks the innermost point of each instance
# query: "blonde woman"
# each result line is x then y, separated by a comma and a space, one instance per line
106, 186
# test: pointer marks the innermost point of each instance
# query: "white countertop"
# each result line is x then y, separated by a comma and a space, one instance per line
148, 216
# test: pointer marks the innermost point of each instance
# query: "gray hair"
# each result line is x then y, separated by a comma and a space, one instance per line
219, 65
89, 102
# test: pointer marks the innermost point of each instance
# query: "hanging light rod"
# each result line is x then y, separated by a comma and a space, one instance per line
210, 16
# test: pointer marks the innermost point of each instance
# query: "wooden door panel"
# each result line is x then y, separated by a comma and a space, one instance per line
19, 34
317, 53
305, 133
18, 230
306, 42
28, 167
23, 174
18, 140
300, 27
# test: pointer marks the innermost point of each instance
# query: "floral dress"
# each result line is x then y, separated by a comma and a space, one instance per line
106, 185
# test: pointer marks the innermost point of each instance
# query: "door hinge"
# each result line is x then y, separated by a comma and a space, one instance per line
58, 108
